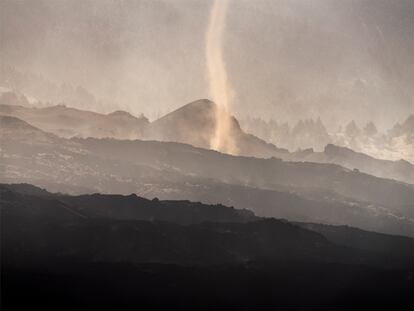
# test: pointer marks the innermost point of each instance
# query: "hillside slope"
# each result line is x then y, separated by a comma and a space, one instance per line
308, 192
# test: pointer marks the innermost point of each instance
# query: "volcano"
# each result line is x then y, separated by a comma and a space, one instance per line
195, 124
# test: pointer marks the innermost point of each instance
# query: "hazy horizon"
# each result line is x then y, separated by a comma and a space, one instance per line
286, 60
269, 165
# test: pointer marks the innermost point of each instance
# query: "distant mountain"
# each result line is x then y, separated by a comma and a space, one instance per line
70, 122
395, 144
194, 124
191, 124
310, 192
309, 135
399, 170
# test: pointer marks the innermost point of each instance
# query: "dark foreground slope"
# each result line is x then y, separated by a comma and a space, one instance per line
252, 286
61, 252
36, 202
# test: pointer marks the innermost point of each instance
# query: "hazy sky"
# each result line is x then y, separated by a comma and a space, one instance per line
286, 59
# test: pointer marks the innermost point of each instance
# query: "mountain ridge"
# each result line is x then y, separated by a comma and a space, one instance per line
237, 240
294, 190
194, 124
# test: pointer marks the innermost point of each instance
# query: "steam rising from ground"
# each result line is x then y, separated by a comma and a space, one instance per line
219, 87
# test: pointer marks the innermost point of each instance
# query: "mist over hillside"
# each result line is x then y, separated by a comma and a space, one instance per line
394, 143
289, 60
376, 154
207, 155
317, 192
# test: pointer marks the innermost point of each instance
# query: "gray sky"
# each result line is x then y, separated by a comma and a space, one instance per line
286, 59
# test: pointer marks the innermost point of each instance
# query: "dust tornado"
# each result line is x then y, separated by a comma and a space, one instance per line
219, 86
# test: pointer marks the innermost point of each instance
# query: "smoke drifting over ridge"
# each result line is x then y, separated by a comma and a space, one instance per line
219, 85
287, 59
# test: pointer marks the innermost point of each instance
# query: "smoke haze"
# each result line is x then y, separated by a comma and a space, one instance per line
287, 60
207, 154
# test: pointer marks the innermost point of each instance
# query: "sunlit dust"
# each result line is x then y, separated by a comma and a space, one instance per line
219, 85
